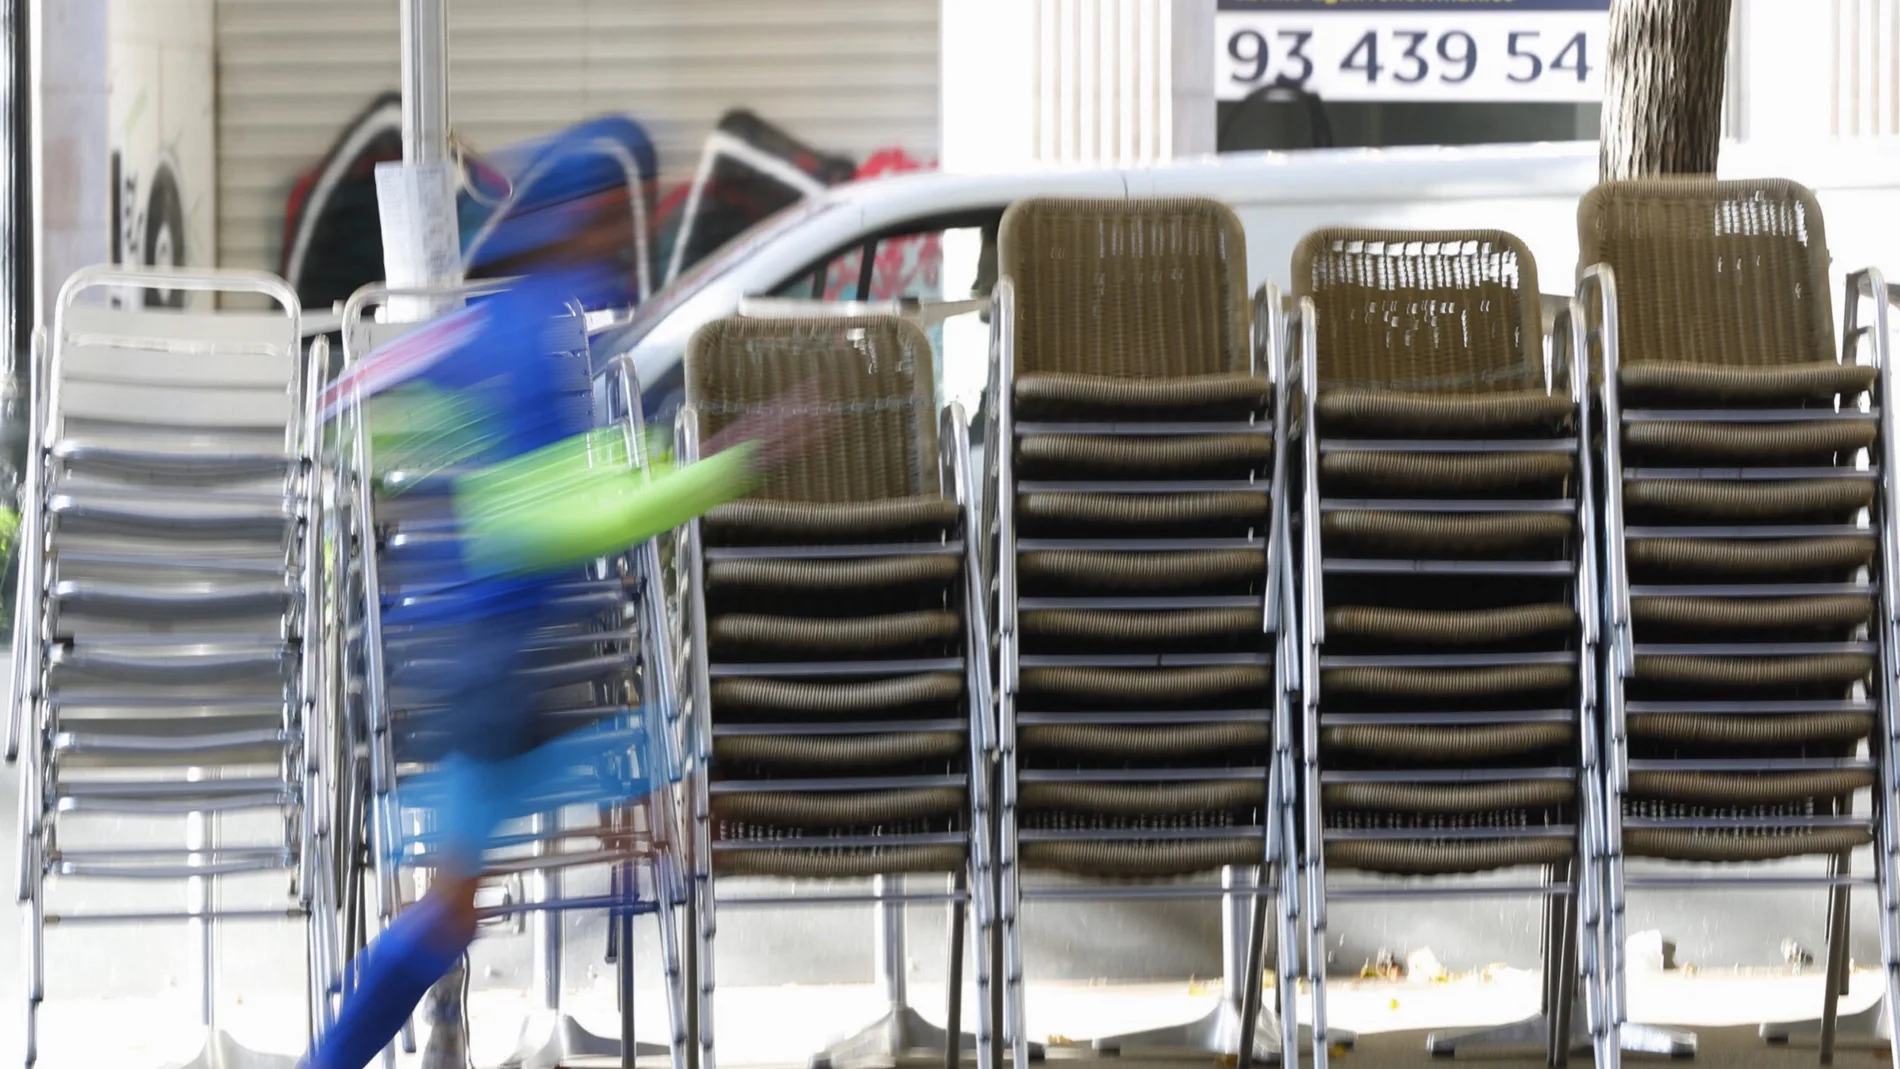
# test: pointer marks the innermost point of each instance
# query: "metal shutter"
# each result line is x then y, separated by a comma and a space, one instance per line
841, 75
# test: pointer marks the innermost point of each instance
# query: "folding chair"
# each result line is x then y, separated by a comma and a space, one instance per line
834, 639
607, 660
166, 653
1749, 542
1445, 527
1138, 469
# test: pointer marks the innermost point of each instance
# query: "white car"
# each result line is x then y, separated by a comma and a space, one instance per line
840, 244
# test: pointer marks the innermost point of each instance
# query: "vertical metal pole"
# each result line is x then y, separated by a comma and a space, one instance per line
425, 81
416, 199
888, 940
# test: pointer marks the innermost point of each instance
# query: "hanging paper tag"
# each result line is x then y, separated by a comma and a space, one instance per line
422, 242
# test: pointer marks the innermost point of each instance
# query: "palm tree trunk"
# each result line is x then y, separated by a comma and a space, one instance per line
1662, 97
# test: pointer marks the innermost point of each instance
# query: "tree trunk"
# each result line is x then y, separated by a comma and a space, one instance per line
1662, 93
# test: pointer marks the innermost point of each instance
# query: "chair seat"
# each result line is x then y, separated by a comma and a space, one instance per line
199, 517
159, 463
1441, 415
819, 700
1150, 687
1831, 612
1444, 535
1742, 443
893, 519
1449, 627
839, 862
1749, 558
865, 635
1785, 732
831, 576
182, 666
1709, 384
1407, 743
848, 809
1448, 857
1121, 629
1141, 457
1095, 572
1444, 798
252, 791
1443, 474
1748, 789
1145, 744
839, 752
1726, 847
1065, 394
1142, 860
1448, 682
1109, 515
1745, 672
1136, 800
171, 601
1749, 501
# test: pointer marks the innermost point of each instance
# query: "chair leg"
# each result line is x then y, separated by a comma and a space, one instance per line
679, 1043
1316, 951
623, 969
1563, 969
689, 982
1836, 956
708, 929
988, 1049
1551, 923
1287, 952
953, 1010
994, 954
1252, 989
35, 970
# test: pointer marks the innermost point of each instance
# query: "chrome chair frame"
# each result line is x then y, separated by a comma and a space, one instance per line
534, 890
39, 648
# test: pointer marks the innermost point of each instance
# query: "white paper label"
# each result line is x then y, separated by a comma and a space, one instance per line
422, 243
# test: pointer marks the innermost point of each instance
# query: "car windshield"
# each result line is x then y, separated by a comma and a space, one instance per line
714, 267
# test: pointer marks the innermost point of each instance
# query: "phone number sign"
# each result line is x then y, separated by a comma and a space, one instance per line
1551, 51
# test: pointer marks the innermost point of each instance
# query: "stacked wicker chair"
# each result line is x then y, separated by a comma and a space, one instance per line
1137, 476
1445, 533
831, 617
1747, 544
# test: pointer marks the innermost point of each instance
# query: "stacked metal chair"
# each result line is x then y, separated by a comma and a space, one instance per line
609, 660
833, 634
1749, 544
167, 681
1445, 529
1137, 476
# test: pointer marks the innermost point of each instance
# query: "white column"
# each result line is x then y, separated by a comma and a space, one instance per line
1102, 82
1192, 76
72, 184
1808, 70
